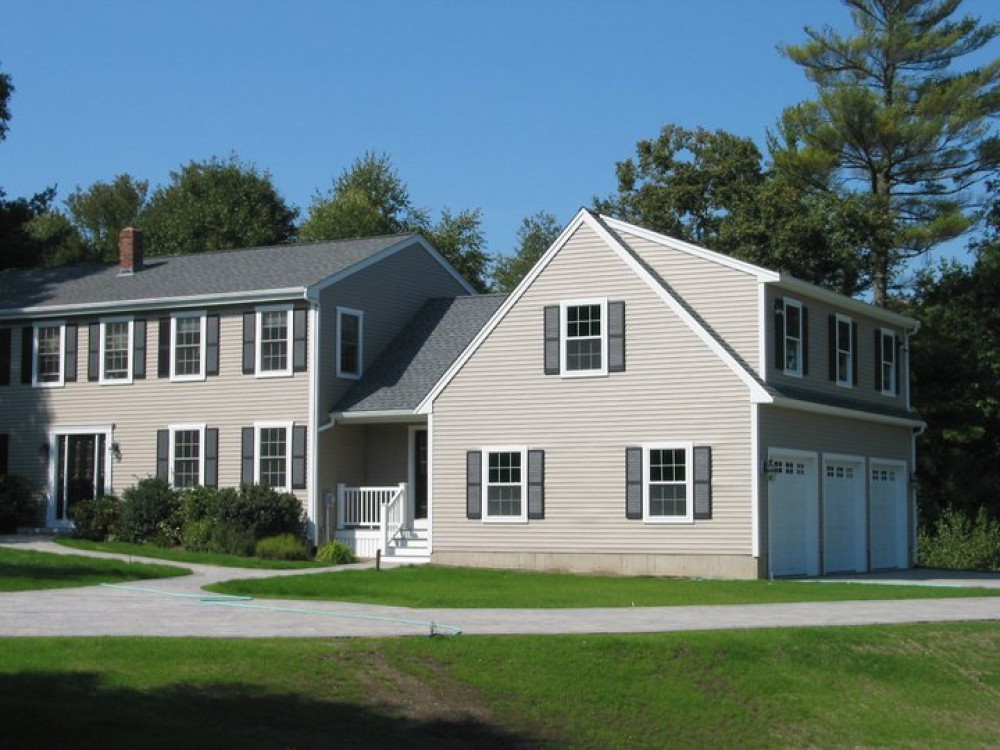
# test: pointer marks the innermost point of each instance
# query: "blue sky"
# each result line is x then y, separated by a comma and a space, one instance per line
512, 107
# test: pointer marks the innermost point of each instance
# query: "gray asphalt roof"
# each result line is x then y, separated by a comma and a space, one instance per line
198, 274
416, 359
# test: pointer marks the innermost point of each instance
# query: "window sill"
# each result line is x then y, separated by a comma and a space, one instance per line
507, 521
274, 374
669, 521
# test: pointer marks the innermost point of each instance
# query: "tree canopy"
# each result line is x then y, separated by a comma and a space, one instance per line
215, 205
534, 236
894, 127
101, 211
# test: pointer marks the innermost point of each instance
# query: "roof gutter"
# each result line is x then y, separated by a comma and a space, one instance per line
840, 411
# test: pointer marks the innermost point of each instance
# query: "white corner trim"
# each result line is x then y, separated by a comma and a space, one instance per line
755, 480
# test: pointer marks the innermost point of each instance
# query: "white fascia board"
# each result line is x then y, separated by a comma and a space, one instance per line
157, 303
757, 392
314, 290
804, 288
841, 411
704, 253
425, 406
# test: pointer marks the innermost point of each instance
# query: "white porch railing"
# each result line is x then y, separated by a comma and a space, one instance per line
381, 509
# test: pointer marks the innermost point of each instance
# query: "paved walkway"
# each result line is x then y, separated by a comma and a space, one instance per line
178, 607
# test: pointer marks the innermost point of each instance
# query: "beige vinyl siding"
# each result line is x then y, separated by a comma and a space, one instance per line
818, 378
674, 389
726, 298
364, 455
228, 402
389, 293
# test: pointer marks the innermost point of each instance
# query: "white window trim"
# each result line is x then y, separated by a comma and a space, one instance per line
289, 342
891, 390
200, 375
851, 354
35, 382
797, 373
287, 426
174, 429
360, 315
485, 452
688, 517
130, 348
564, 324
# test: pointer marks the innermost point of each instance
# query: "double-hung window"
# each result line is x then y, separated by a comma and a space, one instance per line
887, 363
844, 350
274, 455
187, 358
667, 489
584, 337
116, 350
793, 338
187, 455
274, 328
49, 351
350, 342
504, 475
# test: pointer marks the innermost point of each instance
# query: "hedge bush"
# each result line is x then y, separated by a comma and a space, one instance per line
282, 547
98, 519
151, 513
959, 543
17, 494
335, 553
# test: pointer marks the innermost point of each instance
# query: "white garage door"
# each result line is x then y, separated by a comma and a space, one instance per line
889, 517
793, 513
844, 532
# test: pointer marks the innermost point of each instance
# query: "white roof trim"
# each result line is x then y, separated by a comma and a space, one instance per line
841, 411
404, 243
686, 247
156, 303
804, 288
757, 392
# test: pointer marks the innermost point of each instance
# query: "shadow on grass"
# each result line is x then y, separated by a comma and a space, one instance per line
78, 709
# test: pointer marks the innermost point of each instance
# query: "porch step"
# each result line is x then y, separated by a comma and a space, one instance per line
411, 547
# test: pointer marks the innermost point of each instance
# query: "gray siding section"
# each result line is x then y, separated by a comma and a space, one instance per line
674, 389
389, 293
726, 298
818, 378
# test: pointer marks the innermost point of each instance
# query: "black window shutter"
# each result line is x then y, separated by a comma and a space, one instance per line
70, 362
854, 353
299, 340
536, 484
212, 345
878, 359
163, 365
633, 483
805, 340
779, 335
139, 349
616, 337
832, 346
4, 447
474, 484
702, 474
94, 352
552, 340
249, 343
246, 463
163, 455
211, 456
5, 356
27, 342
299, 457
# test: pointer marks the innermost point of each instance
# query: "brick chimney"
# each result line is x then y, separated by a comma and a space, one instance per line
129, 251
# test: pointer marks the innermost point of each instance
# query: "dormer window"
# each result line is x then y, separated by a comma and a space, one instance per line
791, 337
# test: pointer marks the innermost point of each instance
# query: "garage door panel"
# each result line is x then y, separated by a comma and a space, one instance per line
889, 519
793, 515
844, 528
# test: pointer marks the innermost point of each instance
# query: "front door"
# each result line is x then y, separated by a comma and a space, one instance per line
420, 475
80, 471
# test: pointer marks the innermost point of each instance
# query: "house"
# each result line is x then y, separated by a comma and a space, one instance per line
640, 405
637, 405
212, 369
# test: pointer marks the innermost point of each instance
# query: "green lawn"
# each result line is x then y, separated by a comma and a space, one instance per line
24, 570
431, 586
179, 555
891, 686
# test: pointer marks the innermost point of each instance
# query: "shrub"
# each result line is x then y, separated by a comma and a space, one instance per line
200, 503
98, 519
150, 512
263, 511
17, 494
282, 547
335, 553
234, 541
960, 543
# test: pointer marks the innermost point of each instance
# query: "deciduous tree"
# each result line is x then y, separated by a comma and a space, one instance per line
101, 211
534, 236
